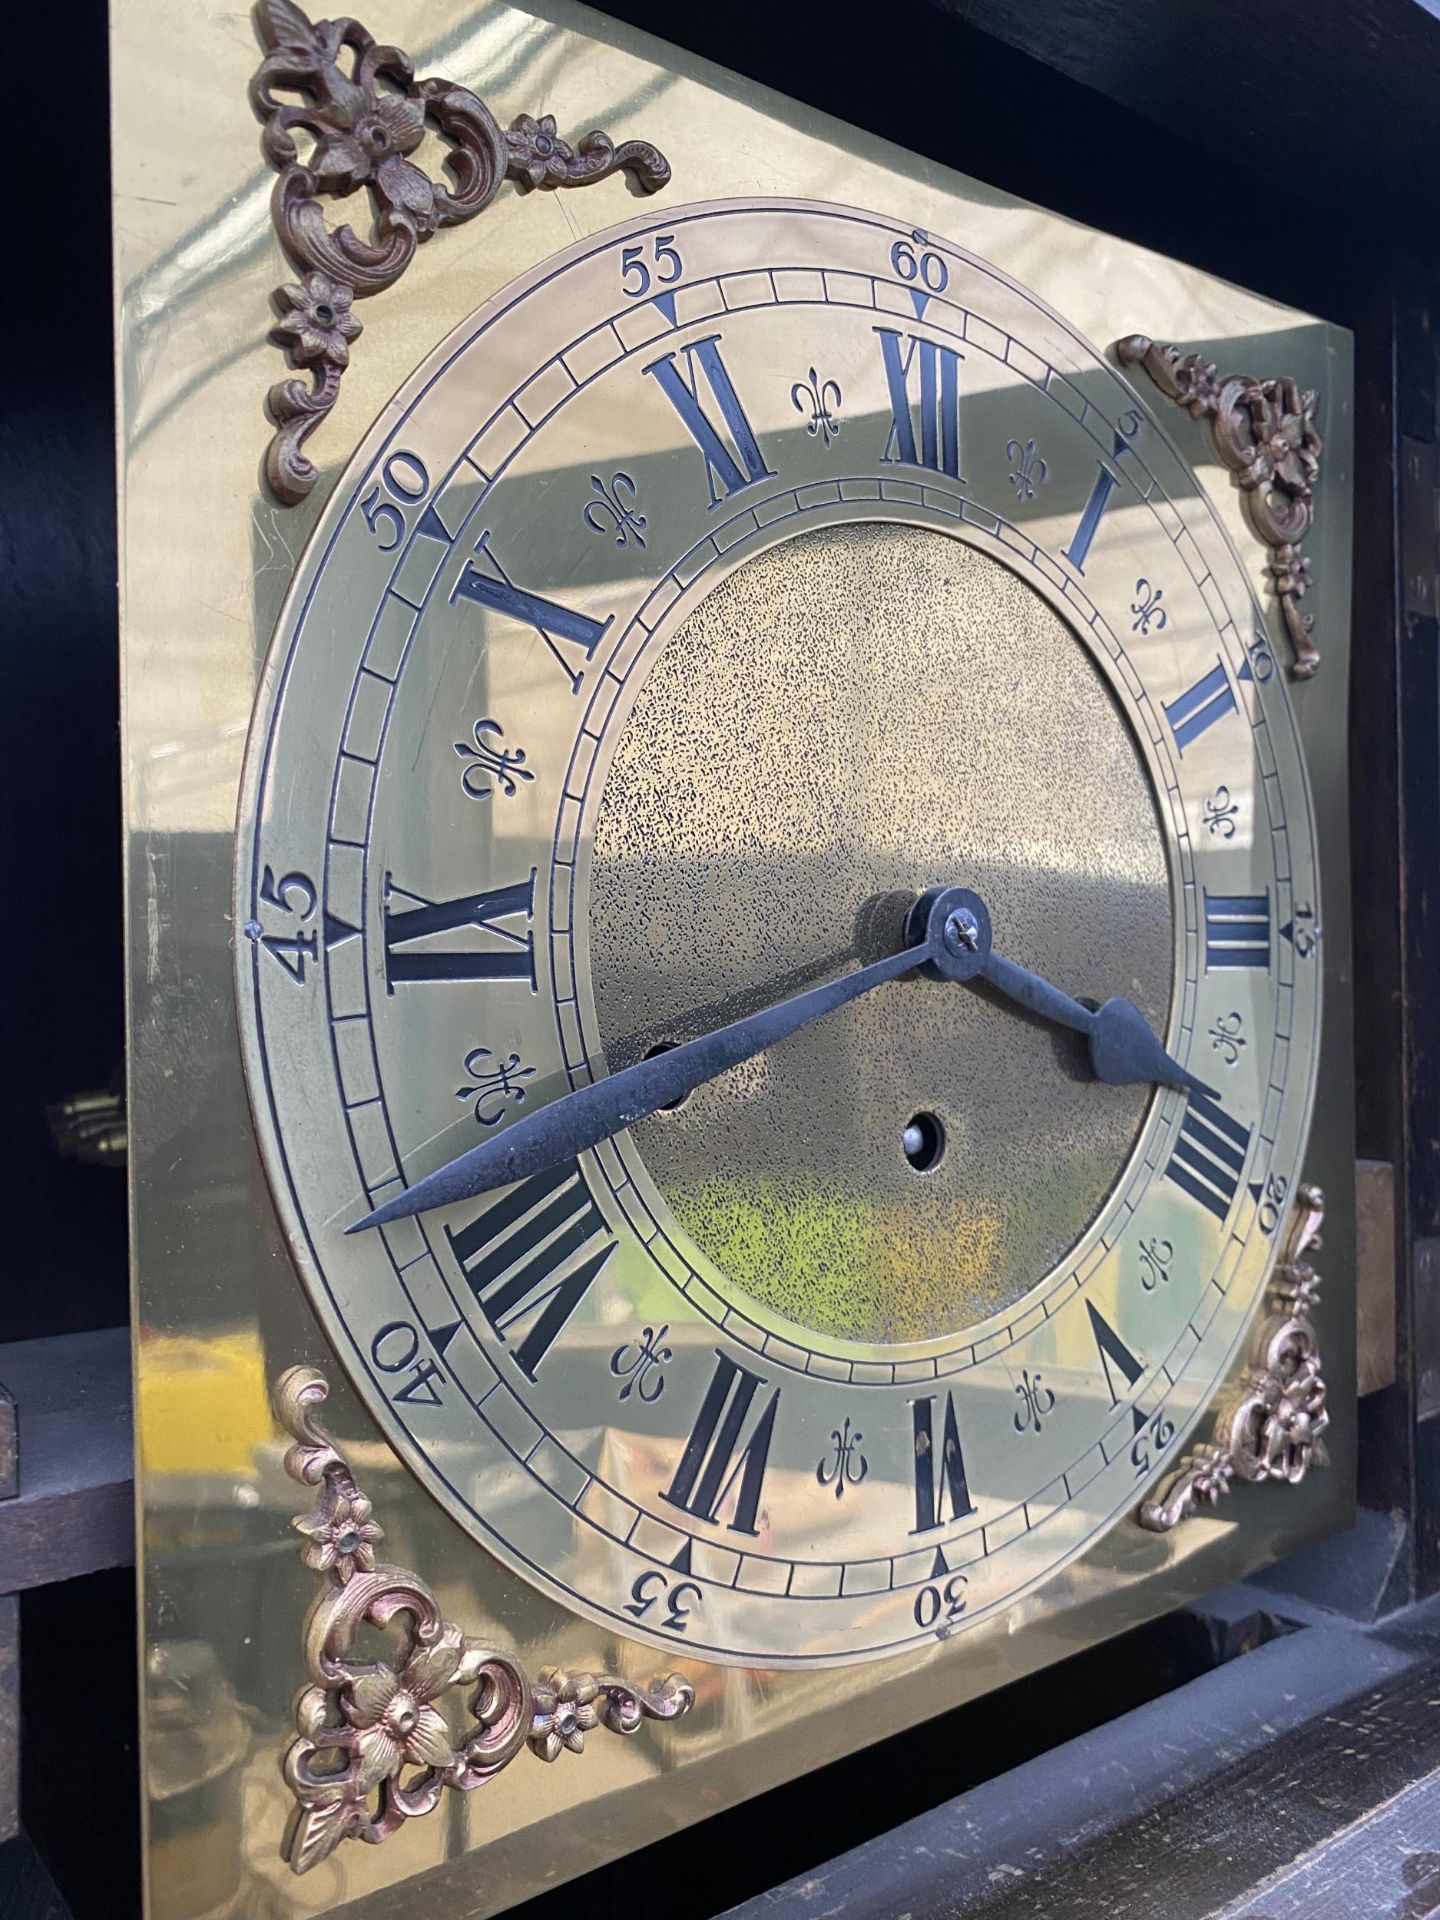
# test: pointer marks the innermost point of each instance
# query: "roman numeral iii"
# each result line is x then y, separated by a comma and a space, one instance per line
714, 1458
414, 945
703, 365
937, 400
1237, 930
517, 1259
1209, 1155
932, 1489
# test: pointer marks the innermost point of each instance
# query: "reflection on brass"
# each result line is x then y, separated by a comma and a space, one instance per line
363, 131
724, 880
382, 1719
1264, 431
1273, 1429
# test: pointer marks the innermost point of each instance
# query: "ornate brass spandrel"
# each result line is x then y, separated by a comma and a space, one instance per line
373, 1746
1273, 1426
364, 133
1264, 431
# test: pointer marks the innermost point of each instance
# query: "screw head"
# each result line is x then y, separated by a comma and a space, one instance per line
962, 931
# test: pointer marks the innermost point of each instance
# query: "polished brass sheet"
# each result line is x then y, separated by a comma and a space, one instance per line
206, 558
777, 765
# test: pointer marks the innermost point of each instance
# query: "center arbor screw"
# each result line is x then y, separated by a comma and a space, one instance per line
962, 931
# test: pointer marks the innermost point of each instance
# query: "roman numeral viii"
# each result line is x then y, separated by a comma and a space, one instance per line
415, 947
931, 1490
714, 1458
520, 1259
938, 380
1209, 1155
732, 470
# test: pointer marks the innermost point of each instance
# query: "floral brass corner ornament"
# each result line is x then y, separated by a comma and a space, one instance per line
366, 113
1273, 1427
374, 1747
1264, 431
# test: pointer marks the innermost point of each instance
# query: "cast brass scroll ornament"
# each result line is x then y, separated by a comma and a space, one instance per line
1273, 1428
1264, 431
373, 1747
363, 133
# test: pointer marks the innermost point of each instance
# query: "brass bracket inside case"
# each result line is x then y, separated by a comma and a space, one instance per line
1264, 431
1272, 1427
365, 112
373, 1748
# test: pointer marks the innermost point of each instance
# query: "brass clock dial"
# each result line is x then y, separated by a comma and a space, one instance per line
718, 588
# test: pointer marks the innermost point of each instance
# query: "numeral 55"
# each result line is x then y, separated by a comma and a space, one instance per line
636, 275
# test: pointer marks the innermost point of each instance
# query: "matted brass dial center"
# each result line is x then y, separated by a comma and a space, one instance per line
798, 733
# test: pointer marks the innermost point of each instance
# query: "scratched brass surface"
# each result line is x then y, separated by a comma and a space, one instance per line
205, 562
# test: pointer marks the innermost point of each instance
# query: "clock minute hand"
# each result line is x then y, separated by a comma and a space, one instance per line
1123, 1047
593, 1113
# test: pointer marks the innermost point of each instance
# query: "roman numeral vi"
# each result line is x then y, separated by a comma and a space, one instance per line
714, 1458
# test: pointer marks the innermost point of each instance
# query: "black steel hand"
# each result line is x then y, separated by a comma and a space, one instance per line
591, 1114
1124, 1050
948, 934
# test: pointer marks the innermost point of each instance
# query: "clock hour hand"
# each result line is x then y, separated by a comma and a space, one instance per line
1124, 1049
938, 937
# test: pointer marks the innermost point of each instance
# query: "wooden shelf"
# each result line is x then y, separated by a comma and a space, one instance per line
74, 1511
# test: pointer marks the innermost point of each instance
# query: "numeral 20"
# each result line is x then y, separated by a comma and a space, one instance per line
636, 275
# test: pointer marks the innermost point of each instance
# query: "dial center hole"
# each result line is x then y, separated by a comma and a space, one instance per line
667, 1046
924, 1142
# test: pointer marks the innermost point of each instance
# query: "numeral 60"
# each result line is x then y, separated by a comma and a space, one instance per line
929, 268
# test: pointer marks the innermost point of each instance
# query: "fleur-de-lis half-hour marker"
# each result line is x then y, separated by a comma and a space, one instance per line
1147, 608
821, 399
1028, 470
485, 760
844, 1465
490, 1086
616, 504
